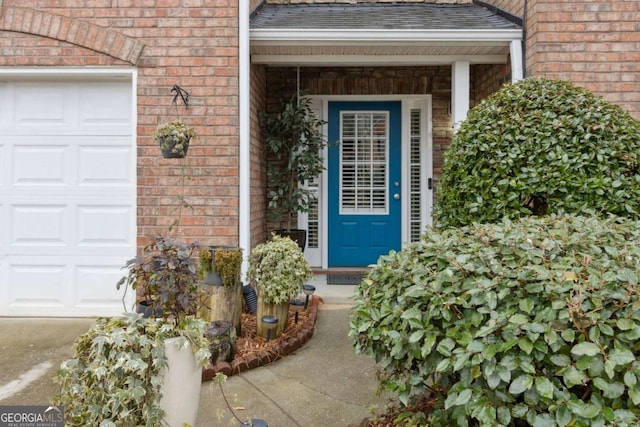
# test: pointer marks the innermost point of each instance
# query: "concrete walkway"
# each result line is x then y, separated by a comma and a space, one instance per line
323, 384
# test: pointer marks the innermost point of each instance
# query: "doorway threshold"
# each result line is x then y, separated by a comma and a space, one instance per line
340, 270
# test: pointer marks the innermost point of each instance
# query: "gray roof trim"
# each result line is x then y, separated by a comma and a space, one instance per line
500, 12
378, 16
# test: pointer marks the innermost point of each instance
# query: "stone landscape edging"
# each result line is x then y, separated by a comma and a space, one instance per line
264, 357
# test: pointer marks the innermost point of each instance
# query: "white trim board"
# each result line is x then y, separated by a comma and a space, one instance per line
320, 257
313, 36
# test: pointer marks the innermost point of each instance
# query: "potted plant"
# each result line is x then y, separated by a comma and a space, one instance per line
277, 270
173, 138
294, 145
165, 274
138, 370
220, 269
119, 365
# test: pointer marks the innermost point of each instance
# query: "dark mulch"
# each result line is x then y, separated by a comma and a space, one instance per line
250, 342
388, 419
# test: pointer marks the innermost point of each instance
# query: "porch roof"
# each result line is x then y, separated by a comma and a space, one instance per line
393, 16
379, 33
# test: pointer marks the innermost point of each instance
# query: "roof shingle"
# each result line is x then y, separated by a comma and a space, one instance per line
379, 16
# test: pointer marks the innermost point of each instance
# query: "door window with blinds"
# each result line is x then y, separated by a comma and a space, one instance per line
364, 155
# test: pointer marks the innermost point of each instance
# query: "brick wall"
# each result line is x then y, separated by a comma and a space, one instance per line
592, 43
486, 79
281, 84
190, 43
259, 231
514, 7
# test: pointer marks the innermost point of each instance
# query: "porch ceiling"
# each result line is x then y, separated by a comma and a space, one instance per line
379, 34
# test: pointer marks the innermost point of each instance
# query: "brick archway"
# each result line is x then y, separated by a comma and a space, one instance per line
75, 31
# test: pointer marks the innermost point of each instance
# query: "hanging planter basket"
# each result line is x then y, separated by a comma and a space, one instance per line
173, 148
173, 139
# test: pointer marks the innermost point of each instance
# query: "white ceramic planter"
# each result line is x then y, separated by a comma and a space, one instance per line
181, 385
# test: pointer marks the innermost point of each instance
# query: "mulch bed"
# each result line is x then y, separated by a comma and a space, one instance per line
423, 405
253, 351
250, 342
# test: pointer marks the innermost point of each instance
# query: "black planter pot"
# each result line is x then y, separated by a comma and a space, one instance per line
297, 235
143, 308
167, 147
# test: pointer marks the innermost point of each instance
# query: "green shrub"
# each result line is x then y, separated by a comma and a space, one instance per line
534, 322
541, 147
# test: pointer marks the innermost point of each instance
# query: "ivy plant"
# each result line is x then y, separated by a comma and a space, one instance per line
278, 269
538, 147
115, 377
532, 322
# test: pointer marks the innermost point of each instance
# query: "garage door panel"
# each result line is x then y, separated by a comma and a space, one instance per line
104, 165
6, 113
101, 161
104, 226
63, 286
40, 165
4, 166
41, 104
63, 108
98, 286
42, 285
39, 225
93, 227
67, 196
114, 108
4, 234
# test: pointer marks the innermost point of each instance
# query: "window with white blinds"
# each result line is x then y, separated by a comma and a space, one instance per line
364, 160
313, 217
415, 185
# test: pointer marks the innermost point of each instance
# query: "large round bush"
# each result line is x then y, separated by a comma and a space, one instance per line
539, 147
532, 322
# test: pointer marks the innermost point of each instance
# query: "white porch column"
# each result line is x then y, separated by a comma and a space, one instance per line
517, 73
460, 80
244, 96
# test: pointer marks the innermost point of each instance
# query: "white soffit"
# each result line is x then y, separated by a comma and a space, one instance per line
361, 47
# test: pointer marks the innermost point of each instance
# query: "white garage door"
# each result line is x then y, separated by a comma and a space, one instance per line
67, 196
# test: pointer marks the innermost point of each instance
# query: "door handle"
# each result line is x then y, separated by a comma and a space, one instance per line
396, 196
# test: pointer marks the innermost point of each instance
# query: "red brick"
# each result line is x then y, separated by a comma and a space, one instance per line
223, 368
238, 366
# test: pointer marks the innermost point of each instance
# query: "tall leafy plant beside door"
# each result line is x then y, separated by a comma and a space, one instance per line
294, 145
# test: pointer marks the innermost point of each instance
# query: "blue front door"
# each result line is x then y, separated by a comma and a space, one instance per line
364, 181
